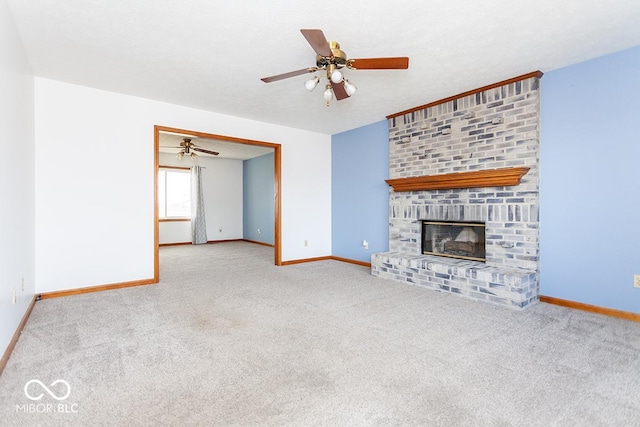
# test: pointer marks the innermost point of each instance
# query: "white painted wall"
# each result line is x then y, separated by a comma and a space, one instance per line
174, 232
17, 191
94, 183
222, 192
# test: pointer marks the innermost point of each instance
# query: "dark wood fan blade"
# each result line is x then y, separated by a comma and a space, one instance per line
397, 63
202, 150
339, 91
318, 41
289, 74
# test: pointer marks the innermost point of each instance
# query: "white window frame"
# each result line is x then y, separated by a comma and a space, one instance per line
162, 193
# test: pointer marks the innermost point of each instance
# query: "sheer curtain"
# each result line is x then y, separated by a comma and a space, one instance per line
198, 223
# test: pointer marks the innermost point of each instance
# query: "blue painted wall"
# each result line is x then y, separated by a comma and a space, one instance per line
360, 197
589, 181
257, 199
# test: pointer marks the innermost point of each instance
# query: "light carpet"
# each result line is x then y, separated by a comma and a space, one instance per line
227, 338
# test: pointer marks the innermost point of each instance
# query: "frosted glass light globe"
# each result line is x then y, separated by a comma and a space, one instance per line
311, 83
351, 89
336, 76
328, 94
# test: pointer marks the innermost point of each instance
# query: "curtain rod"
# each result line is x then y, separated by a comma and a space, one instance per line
178, 167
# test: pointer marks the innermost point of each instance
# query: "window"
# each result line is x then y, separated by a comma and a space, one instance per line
174, 193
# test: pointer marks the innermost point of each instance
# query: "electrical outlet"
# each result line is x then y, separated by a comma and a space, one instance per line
365, 244
220, 229
636, 280
259, 231
23, 284
306, 243
14, 296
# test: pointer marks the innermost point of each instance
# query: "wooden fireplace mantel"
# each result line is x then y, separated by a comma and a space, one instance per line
486, 178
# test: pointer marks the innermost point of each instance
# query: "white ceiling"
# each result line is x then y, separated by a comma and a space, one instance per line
211, 54
170, 143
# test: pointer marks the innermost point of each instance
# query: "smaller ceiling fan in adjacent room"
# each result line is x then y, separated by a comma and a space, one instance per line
189, 148
331, 59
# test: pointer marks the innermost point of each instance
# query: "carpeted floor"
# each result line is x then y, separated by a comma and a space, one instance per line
226, 338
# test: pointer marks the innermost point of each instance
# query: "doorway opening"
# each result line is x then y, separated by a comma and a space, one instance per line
276, 148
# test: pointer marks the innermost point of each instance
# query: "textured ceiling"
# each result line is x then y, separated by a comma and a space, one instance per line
211, 54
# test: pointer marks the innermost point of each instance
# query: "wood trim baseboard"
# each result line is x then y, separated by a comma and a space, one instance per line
536, 74
209, 242
303, 260
352, 261
258, 243
17, 333
325, 258
99, 288
627, 315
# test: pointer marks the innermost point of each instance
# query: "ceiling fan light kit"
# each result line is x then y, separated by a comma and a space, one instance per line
332, 59
193, 156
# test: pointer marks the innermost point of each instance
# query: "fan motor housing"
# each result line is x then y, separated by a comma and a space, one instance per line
339, 58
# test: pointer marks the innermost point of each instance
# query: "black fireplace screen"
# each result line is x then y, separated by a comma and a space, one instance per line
464, 240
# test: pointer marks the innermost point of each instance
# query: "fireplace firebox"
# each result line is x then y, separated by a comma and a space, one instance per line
454, 239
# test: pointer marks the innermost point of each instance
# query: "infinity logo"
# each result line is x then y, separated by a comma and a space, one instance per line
38, 397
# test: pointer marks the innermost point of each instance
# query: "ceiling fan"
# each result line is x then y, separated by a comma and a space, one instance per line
187, 147
331, 59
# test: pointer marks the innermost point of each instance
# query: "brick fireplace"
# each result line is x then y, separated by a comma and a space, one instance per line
446, 163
